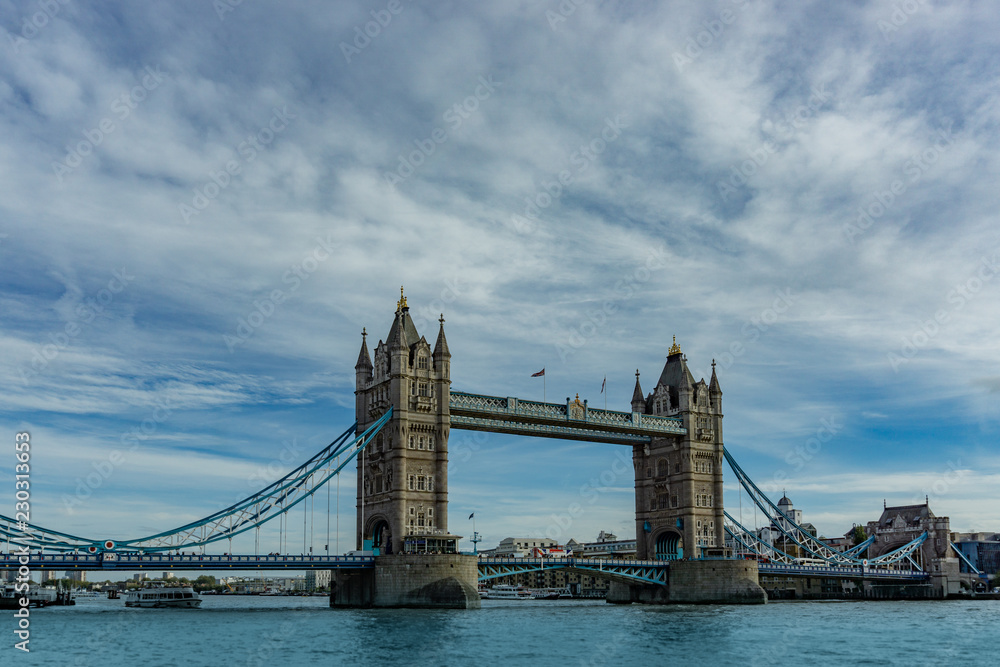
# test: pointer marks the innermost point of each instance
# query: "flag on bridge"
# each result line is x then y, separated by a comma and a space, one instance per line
472, 515
604, 383
539, 374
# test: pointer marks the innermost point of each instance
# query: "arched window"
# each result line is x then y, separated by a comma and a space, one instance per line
662, 467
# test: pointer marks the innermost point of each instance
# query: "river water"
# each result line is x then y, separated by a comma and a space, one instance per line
258, 631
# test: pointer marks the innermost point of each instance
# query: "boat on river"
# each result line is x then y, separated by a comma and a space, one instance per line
155, 596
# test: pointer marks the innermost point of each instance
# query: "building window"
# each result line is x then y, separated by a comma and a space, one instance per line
677, 467
652, 503
663, 501
412, 511
420, 442
662, 466
430, 512
422, 362
409, 482
673, 501
420, 482
412, 442
430, 442
423, 389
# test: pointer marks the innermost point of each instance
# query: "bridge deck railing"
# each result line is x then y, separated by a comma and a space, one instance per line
181, 561
517, 409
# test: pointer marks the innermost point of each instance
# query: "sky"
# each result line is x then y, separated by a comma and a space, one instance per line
203, 204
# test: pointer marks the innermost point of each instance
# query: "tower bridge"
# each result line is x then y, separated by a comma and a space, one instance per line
405, 554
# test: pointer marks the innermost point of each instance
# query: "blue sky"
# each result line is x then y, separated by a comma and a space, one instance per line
804, 192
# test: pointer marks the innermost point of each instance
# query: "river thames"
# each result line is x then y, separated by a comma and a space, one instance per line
251, 631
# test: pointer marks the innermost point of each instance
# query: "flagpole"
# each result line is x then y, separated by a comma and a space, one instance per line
543, 387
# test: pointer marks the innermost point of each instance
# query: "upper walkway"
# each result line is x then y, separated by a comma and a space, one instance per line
572, 420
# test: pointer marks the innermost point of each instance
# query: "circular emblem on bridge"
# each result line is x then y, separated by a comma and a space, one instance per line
865, 562
92, 549
109, 545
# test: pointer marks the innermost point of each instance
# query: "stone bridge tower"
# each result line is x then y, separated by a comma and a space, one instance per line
403, 473
678, 479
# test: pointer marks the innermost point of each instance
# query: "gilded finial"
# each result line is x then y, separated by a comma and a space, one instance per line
364, 332
402, 300
675, 348
441, 319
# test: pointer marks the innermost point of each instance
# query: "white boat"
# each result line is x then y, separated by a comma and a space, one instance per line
12, 594
506, 592
160, 596
86, 595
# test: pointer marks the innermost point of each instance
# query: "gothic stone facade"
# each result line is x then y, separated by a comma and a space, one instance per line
403, 479
678, 479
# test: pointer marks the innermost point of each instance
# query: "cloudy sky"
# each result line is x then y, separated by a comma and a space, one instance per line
203, 204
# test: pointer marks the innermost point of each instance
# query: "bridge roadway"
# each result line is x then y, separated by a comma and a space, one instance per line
119, 561
648, 571
655, 571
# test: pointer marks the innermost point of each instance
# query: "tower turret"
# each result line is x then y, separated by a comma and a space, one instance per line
638, 402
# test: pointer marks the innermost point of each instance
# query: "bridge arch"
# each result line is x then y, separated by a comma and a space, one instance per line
380, 534
669, 545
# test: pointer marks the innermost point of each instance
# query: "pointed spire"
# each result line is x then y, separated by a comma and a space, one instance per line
364, 361
441, 346
397, 334
713, 386
638, 402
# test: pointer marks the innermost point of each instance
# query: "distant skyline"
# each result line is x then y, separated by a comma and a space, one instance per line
204, 205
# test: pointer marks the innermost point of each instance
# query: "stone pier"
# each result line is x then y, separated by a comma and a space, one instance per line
447, 581
697, 582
